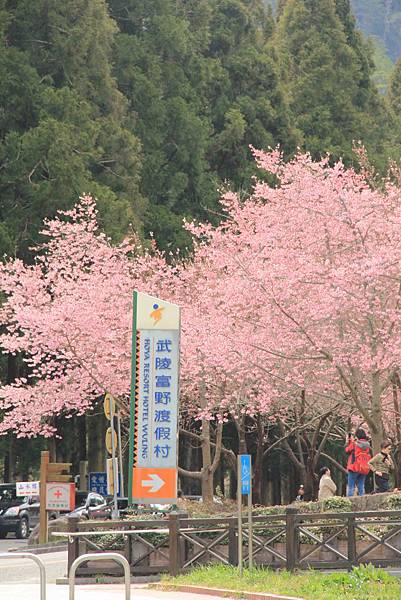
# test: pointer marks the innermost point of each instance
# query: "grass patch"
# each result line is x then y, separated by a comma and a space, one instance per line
362, 583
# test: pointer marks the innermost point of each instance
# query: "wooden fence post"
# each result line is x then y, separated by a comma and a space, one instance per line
174, 546
128, 547
44, 463
232, 543
291, 538
351, 541
73, 542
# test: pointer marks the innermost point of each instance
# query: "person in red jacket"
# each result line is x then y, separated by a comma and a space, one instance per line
359, 454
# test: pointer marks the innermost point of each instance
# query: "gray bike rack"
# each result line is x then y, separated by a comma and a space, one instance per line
35, 559
103, 556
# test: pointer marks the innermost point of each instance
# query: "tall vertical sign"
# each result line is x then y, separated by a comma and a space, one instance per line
154, 401
244, 488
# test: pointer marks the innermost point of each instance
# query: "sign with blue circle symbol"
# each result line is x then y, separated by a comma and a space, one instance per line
245, 474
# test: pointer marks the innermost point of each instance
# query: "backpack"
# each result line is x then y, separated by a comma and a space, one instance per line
362, 457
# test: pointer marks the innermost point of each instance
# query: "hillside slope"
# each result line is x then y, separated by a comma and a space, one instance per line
382, 20
379, 19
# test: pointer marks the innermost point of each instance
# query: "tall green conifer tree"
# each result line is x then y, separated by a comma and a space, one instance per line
202, 79
157, 66
70, 133
327, 72
394, 89
319, 70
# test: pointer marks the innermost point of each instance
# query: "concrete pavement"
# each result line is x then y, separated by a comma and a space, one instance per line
19, 580
11, 542
18, 570
22, 591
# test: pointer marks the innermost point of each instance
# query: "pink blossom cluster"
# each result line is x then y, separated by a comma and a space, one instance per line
70, 317
298, 288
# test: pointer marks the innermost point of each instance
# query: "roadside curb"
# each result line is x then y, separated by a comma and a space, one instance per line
40, 549
194, 589
107, 580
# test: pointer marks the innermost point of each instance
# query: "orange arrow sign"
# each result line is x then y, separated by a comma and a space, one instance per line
157, 484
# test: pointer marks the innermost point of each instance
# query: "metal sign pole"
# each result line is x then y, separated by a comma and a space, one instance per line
250, 525
239, 502
120, 457
114, 512
132, 398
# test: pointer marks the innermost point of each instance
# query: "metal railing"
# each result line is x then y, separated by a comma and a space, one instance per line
35, 559
105, 556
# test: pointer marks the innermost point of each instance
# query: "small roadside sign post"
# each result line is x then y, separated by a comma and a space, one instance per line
51, 475
120, 458
154, 401
244, 488
27, 488
110, 408
60, 496
98, 482
112, 477
111, 443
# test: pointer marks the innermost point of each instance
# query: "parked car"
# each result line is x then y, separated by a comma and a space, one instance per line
18, 514
196, 498
87, 503
105, 511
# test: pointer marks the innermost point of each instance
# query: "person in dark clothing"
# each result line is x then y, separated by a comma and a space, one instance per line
301, 493
358, 450
381, 465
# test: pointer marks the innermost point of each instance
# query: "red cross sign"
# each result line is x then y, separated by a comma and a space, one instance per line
60, 496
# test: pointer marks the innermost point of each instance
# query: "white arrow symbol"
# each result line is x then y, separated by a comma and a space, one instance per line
154, 483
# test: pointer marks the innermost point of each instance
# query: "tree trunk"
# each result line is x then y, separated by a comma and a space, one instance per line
96, 428
376, 425
209, 466
10, 460
207, 485
240, 424
276, 481
207, 475
311, 484
377, 438
258, 466
398, 435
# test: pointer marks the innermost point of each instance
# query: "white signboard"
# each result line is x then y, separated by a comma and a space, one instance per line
158, 399
156, 314
154, 409
60, 496
27, 488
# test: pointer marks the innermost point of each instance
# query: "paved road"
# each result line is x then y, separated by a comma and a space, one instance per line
12, 542
19, 570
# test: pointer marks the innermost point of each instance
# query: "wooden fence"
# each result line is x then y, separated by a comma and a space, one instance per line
292, 540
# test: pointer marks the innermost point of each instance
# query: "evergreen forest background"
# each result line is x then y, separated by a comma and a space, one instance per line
151, 106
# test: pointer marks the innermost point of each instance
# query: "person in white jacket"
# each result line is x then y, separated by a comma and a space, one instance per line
327, 487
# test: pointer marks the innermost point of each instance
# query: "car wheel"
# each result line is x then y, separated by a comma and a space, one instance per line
3, 535
23, 529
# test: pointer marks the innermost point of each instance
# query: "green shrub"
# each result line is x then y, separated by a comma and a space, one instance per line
392, 502
337, 504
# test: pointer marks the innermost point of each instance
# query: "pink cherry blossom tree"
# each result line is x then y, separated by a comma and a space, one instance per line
70, 316
296, 292
305, 287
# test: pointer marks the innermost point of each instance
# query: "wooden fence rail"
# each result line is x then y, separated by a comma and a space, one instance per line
292, 540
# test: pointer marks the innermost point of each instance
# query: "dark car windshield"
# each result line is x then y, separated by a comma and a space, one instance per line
8, 495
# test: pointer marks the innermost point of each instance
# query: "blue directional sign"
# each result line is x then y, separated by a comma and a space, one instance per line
98, 482
245, 474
